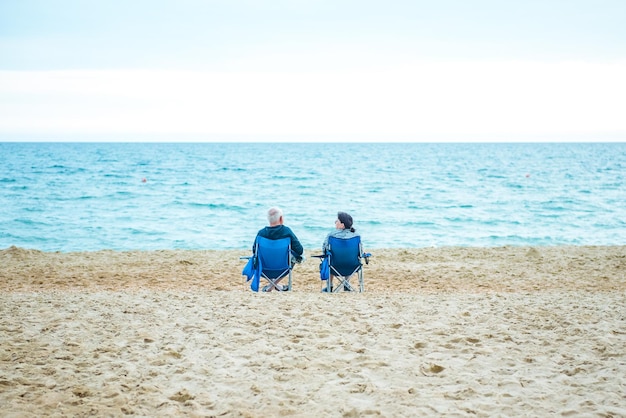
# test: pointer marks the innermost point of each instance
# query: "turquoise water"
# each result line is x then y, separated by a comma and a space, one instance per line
92, 196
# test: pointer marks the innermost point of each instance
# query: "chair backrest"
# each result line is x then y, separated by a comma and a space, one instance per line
345, 254
274, 256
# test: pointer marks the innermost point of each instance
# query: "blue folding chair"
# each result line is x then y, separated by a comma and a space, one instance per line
271, 262
342, 261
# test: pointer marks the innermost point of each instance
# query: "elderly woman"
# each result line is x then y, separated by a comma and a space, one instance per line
343, 229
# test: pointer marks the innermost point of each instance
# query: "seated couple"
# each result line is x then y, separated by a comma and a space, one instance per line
277, 230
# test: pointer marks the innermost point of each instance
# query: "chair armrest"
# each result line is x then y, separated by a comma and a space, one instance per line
319, 256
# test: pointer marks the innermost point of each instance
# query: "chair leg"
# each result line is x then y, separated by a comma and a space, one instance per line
338, 286
342, 284
271, 283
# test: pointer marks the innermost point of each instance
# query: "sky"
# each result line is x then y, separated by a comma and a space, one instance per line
221, 70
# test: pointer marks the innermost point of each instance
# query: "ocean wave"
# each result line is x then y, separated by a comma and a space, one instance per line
91, 196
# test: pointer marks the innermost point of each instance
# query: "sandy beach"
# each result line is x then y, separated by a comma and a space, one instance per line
509, 331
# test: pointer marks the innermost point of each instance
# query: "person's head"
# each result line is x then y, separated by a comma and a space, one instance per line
275, 216
344, 221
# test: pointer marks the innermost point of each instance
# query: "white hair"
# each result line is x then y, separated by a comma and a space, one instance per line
274, 214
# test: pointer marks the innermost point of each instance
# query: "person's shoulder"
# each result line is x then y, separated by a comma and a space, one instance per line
293, 234
286, 229
346, 234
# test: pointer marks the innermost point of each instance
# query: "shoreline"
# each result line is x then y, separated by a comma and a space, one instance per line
413, 270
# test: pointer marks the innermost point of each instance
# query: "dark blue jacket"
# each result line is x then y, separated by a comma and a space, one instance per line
278, 232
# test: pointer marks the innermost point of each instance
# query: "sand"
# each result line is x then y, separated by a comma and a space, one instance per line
439, 332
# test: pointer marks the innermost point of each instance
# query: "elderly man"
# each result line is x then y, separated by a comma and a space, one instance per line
276, 230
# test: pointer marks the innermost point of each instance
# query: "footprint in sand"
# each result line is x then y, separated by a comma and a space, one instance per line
182, 396
431, 369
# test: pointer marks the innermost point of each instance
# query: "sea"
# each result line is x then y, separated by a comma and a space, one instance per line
70, 197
